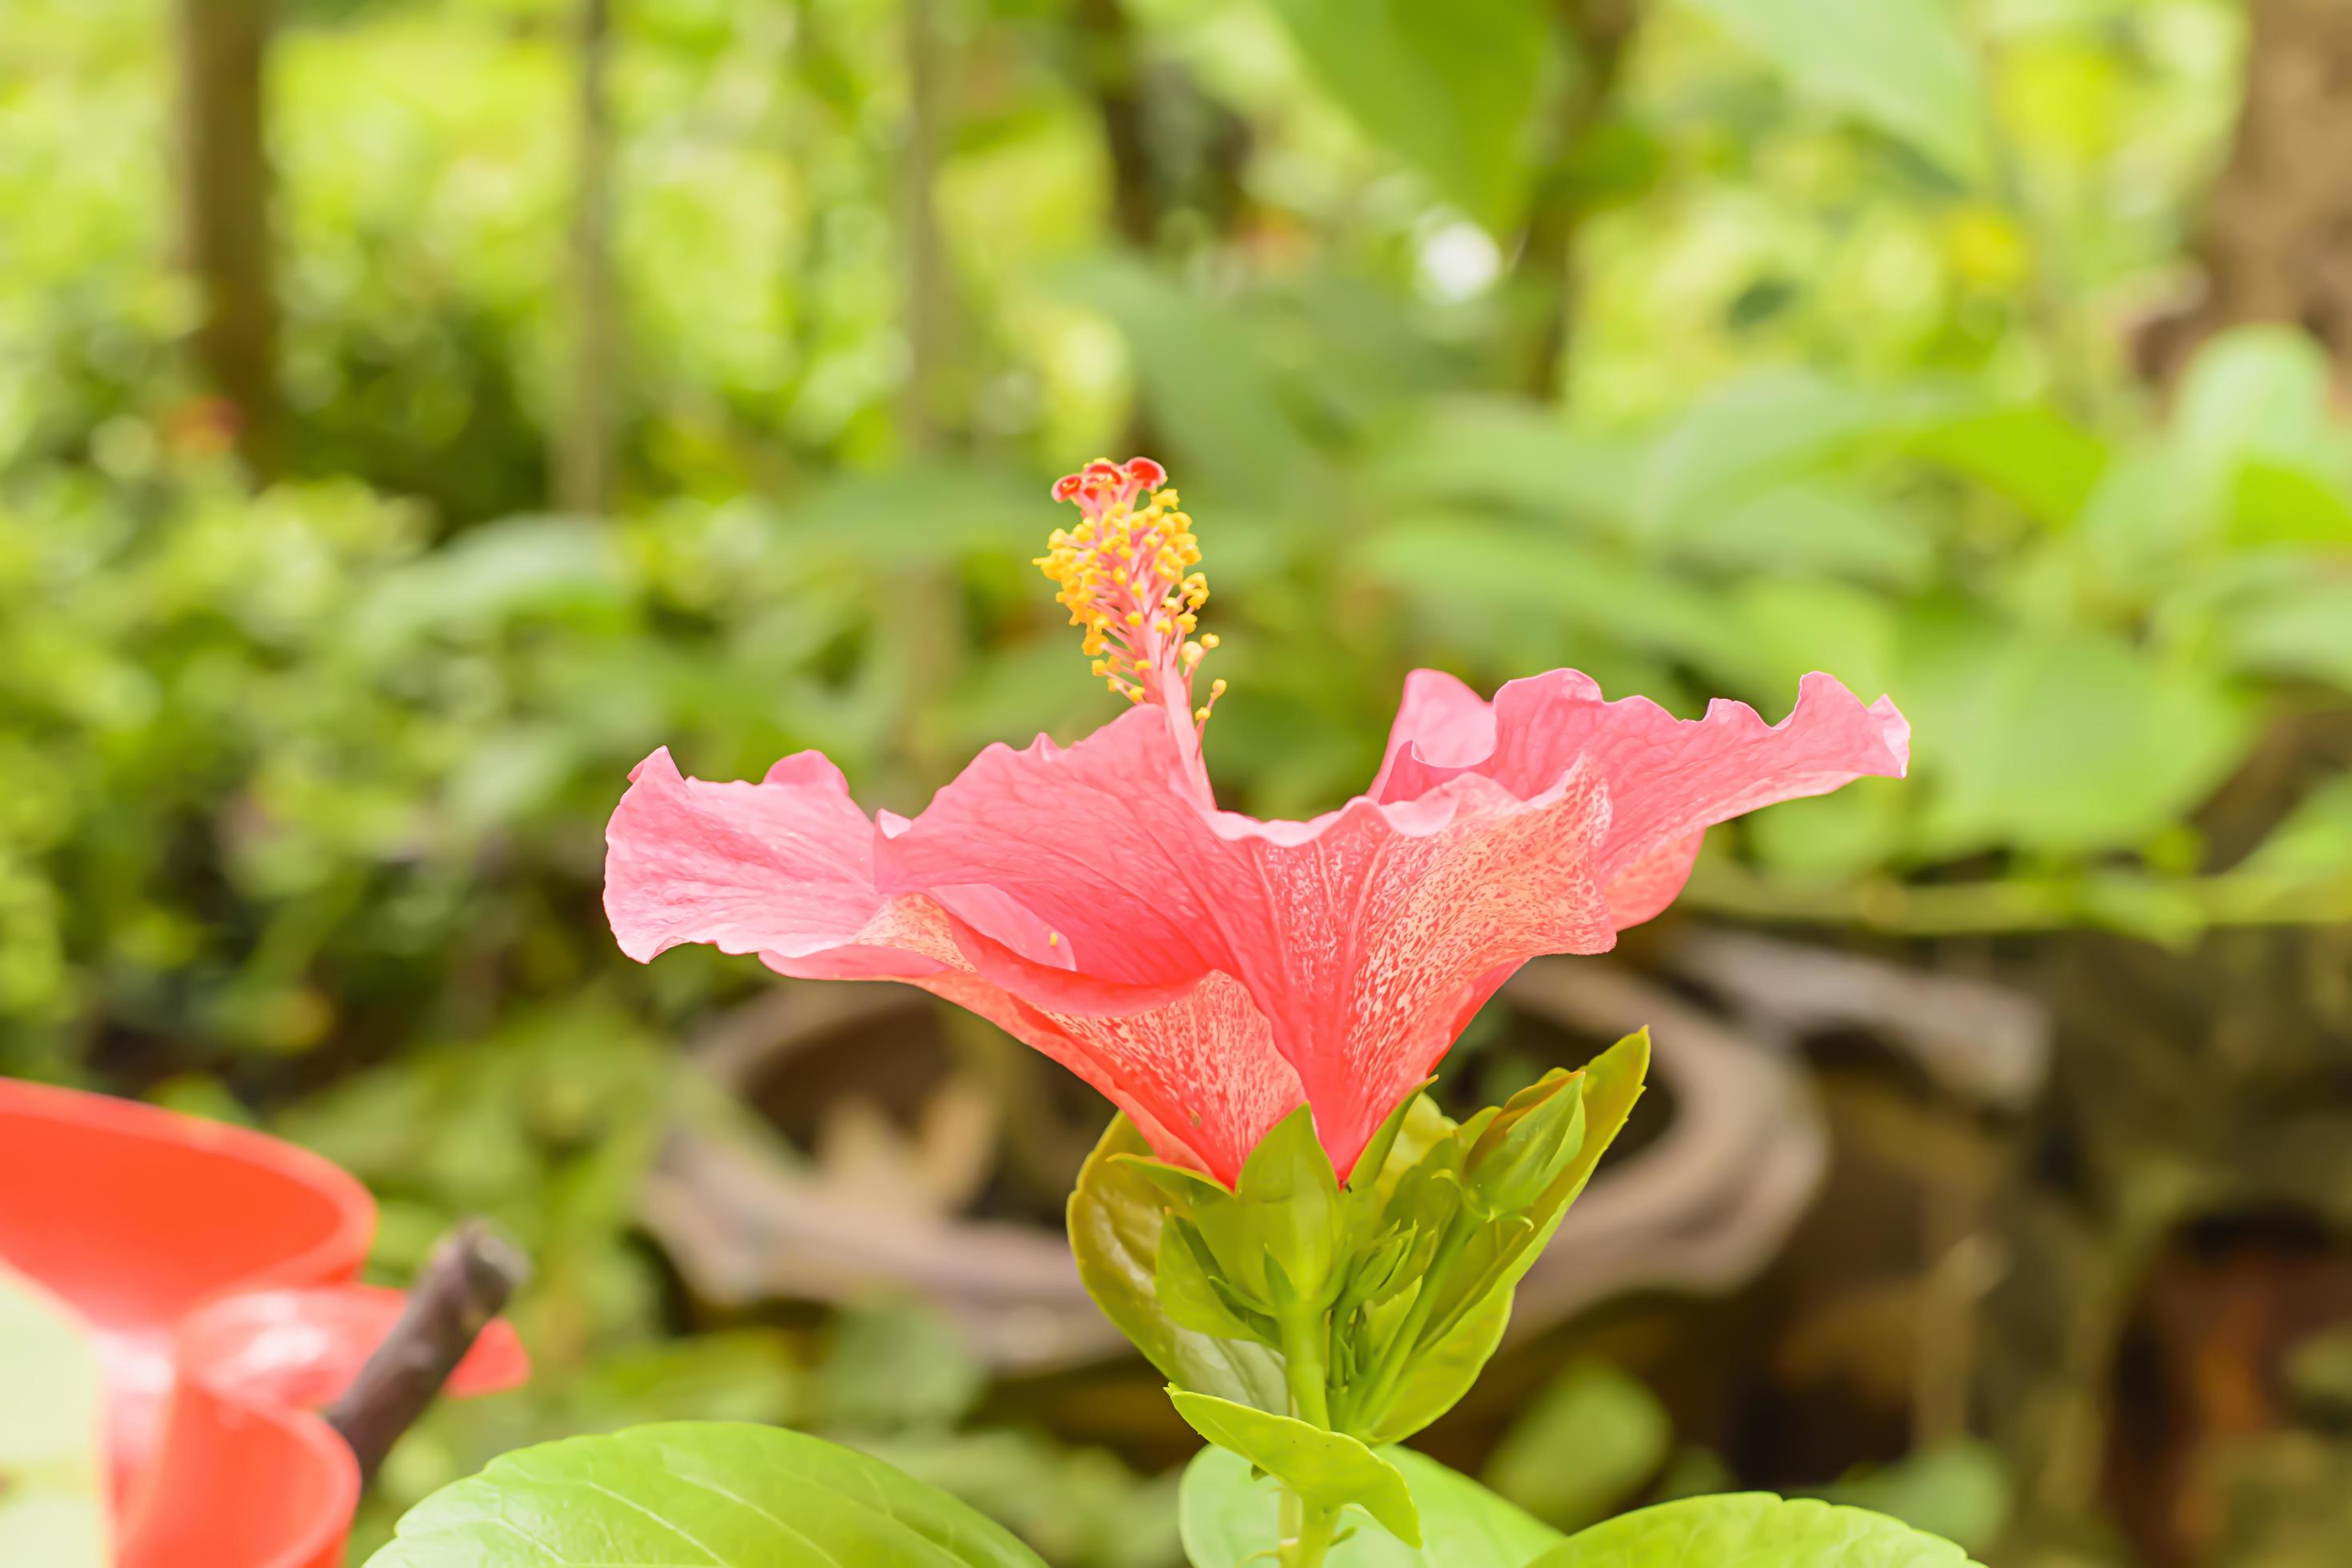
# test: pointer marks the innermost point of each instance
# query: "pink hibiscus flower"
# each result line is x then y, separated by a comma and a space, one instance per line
1208, 972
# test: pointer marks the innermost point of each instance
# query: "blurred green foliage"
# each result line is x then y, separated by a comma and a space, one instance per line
305, 788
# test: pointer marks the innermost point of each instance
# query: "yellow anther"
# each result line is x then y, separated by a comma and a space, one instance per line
1124, 572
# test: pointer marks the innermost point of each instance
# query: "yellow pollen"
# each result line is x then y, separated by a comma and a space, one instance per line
1126, 575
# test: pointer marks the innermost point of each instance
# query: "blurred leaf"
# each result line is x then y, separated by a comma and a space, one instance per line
523, 566
2037, 458
1900, 65
2303, 630
2254, 392
1581, 1446
1505, 570
2315, 842
895, 1365
53, 1500
1210, 394
1503, 452
2058, 741
1752, 1528
1804, 528
1960, 1492
2280, 502
737, 1495
1329, 1470
1741, 438
1449, 89
1229, 1516
1115, 1217
1073, 1505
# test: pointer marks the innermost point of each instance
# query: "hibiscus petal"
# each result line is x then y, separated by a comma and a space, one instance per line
785, 865
783, 868
1358, 934
1669, 778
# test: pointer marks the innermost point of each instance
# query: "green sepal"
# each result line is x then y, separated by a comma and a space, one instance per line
1463, 1333
1191, 1291
1288, 1202
1327, 1469
1516, 1157
1116, 1213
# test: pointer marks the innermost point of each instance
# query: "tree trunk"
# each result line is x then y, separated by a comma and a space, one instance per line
584, 459
930, 301
2276, 240
224, 233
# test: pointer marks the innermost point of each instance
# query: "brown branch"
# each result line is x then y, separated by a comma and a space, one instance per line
464, 1285
583, 457
225, 198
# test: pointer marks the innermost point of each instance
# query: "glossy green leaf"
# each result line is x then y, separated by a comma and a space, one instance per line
1450, 88
1900, 65
1329, 1469
1753, 1530
53, 1503
1115, 1216
1230, 1517
717, 1495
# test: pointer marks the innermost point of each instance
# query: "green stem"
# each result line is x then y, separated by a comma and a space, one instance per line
1381, 1383
1310, 1541
1307, 1526
1303, 1366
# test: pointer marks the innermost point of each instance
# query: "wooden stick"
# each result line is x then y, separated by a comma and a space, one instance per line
464, 1285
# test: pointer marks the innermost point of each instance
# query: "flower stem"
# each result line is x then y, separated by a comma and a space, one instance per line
1381, 1383
1303, 1366
1308, 1527
1306, 1546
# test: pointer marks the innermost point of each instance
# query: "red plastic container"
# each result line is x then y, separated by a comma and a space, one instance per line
215, 1270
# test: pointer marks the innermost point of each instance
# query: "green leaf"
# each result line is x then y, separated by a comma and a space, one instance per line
1900, 65
1961, 1492
1502, 570
1790, 528
717, 1495
1751, 1530
2037, 458
2303, 631
2064, 742
2313, 843
53, 1506
1450, 88
1326, 1467
1202, 373
1756, 431
1114, 1214
1231, 1517
1587, 1440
